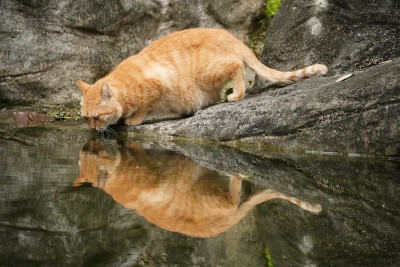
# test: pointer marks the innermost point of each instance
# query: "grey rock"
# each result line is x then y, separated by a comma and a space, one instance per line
344, 35
45, 46
236, 16
357, 115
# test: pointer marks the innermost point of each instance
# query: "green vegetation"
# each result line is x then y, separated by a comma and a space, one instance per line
260, 25
271, 7
268, 258
224, 98
66, 111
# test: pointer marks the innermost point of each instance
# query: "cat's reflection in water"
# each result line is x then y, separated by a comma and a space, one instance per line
171, 190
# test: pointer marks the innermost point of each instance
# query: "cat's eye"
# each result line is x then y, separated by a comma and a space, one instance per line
96, 118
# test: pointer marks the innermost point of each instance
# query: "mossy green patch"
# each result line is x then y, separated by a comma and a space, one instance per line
271, 8
70, 111
260, 25
268, 258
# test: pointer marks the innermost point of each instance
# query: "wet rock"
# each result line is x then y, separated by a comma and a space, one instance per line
29, 117
345, 35
357, 115
45, 46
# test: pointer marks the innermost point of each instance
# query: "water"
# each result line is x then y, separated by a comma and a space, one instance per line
70, 200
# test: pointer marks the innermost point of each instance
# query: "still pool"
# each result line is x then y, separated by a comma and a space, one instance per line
70, 199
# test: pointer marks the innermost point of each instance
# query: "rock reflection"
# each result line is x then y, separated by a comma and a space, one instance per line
169, 189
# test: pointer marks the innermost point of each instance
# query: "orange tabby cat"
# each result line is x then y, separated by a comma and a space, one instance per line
182, 73
170, 190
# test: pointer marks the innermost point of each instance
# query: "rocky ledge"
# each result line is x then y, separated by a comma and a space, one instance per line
355, 116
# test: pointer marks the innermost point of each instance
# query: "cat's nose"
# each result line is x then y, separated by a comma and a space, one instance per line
92, 125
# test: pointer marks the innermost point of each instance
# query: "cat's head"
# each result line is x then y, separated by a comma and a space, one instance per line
97, 163
99, 105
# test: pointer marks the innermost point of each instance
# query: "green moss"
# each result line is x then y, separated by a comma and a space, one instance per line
271, 8
268, 258
67, 111
260, 25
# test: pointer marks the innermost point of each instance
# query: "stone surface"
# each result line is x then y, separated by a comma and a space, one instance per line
45, 46
357, 115
344, 35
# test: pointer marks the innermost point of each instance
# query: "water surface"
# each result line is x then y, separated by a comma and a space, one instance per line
70, 200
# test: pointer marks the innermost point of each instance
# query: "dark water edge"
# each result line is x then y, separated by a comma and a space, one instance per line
45, 221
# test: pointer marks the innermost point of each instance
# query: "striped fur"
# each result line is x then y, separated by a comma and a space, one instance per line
181, 72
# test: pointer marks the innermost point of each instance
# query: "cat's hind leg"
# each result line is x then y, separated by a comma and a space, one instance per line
239, 84
235, 188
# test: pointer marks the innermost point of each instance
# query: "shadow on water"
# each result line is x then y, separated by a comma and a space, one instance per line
69, 202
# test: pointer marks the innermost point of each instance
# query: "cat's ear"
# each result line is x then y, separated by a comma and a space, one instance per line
82, 85
105, 92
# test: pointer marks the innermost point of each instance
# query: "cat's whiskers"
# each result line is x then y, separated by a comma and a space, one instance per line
108, 133
84, 128
112, 132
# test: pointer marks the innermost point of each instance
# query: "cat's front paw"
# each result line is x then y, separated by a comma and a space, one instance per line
133, 121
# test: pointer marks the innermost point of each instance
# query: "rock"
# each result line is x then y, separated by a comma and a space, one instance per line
357, 115
236, 16
345, 35
45, 46
29, 117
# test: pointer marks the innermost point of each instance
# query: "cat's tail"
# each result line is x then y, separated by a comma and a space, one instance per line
269, 194
280, 77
